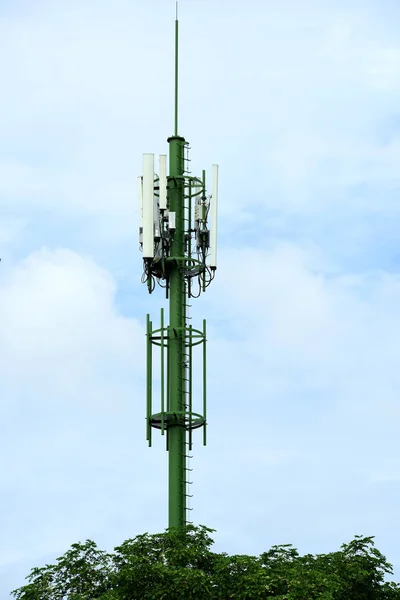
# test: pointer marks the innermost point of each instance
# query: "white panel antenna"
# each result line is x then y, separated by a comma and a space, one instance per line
163, 182
156, 216
195, 202
171, 220
214, 217
148, 205
140, 191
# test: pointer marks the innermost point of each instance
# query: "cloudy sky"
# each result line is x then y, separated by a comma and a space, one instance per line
298, 103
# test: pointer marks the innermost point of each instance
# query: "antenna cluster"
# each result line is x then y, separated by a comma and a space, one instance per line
158, 226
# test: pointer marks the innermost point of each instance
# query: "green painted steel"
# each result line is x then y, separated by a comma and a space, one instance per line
177, 372
176, 77
162, 373
181, 248
149, 378
205, 382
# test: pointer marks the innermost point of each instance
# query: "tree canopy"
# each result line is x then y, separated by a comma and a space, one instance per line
180, 565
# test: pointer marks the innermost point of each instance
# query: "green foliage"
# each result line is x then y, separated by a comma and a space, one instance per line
83, 573
180, 565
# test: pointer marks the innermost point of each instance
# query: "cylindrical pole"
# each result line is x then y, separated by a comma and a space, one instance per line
176, 78
149, 378
176, 349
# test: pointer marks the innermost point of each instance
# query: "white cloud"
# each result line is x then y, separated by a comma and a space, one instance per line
303, 384
71, 368
385, 69
300, 95
310, 384
64, 293
296, 362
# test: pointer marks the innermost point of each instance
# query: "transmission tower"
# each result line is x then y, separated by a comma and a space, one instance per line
180, 254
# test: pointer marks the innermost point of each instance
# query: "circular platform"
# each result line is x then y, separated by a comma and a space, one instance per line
182, 419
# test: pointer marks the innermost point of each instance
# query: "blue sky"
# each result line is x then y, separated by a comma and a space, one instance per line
298, 103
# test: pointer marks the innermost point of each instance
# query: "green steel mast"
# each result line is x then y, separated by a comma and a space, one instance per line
179, 253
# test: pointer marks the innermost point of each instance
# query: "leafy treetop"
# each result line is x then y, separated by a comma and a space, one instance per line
180, 565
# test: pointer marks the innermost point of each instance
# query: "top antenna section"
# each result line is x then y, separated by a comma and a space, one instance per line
176, 70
